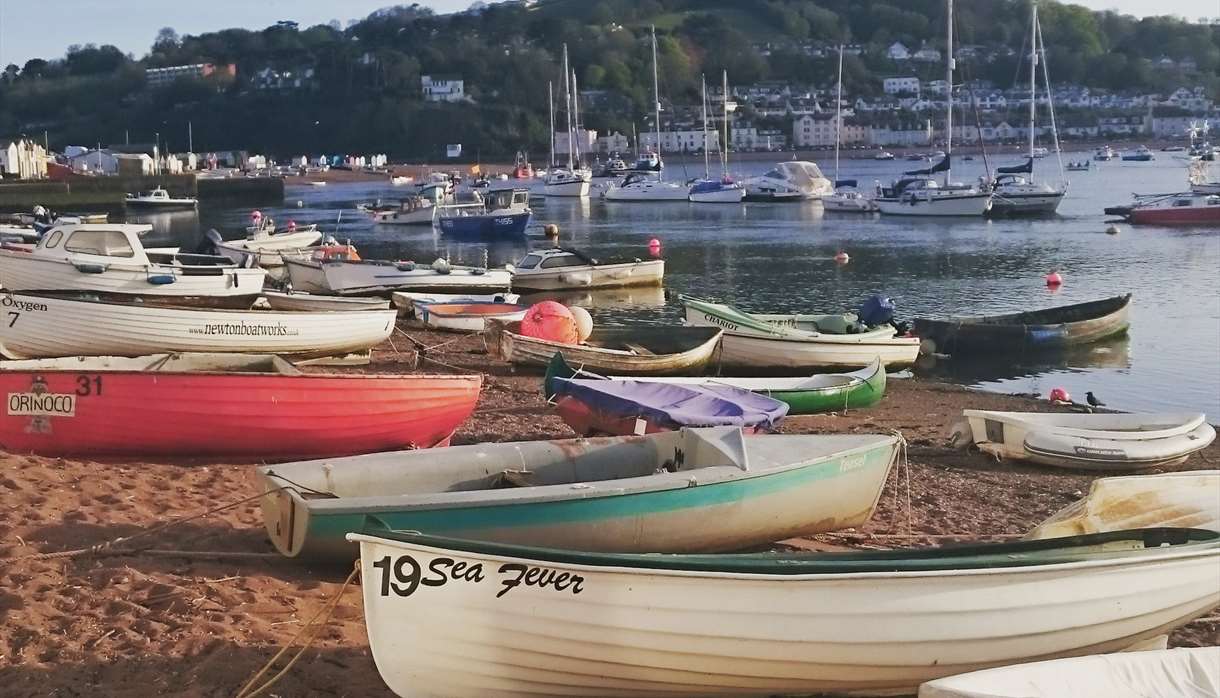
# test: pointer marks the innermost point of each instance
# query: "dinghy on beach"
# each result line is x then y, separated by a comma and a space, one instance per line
467, 317
408, 301
1090, 441
824, 392
762, 343
46, 325
231, 405
446, 616
354, 277
687, 490
633, 351
1188, 499
1183, 672
309, 302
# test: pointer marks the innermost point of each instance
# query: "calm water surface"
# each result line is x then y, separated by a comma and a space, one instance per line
779, 258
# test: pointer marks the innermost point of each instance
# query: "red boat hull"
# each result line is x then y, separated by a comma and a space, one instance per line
1185, 215
264, 416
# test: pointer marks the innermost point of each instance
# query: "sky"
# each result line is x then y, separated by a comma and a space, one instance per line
45, 28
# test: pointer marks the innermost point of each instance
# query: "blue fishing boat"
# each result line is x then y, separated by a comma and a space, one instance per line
501, 213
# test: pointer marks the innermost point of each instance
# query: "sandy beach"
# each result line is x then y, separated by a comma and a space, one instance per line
202, 622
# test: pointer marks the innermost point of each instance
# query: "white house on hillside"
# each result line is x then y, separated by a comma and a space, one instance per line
898, 52
442, 88
893, 86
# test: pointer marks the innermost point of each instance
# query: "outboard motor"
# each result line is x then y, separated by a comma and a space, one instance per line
876, 310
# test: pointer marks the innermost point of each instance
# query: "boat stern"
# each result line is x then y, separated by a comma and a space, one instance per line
285, 515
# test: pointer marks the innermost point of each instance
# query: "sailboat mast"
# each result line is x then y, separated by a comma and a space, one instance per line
949, 90
724, 75
1033, 73
706, 173
576, 115
838, 113
567, 102
656, 93
1050, 107
550, 98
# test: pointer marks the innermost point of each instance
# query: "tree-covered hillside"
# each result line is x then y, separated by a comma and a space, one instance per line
361, 90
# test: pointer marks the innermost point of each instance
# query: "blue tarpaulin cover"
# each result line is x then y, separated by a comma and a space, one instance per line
677, 405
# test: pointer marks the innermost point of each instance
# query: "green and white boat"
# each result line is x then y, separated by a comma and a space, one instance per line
708, 489
825, 392
767, 343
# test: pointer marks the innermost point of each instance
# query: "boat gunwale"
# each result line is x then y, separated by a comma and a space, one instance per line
1195, 419
1004, 320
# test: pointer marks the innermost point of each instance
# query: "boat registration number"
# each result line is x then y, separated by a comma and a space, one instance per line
404, 575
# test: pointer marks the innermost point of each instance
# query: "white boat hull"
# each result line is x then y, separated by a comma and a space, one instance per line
1091, 441
649, 273
464, 323
1188, 499
940, 205
646, 632
422, 216
746, 352
647, 191
574, 188
1027, 204
355, 277
849, 204
44, 326
23, 271
405, 300
719, 196
306, 302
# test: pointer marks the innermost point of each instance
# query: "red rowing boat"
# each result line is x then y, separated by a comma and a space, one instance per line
237, 406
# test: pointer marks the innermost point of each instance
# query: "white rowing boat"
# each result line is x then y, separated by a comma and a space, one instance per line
279, 300
407, 300
43, 326
1091, 441
1189, 499
462, 618
371, 276
467, 317
1184, 672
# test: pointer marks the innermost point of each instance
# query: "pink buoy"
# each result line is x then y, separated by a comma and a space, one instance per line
842, 257
256, 215
292, 225
1054, 279
1059, 395
550, 321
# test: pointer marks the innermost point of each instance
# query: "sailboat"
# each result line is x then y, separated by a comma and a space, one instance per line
723, 190
918, 193
844, 201
571, 181
1014, 194
640, 186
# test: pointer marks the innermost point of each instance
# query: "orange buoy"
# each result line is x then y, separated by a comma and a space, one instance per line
551, 321
1054, 279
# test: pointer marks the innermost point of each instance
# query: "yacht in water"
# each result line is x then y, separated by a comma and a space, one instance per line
918, 193
721, 190
573, 180
844, 198
1014, 190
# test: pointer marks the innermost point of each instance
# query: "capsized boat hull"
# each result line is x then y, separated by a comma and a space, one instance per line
120, 407
603, 625
708, 504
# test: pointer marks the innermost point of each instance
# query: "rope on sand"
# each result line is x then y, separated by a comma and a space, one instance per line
310, 629
112, 546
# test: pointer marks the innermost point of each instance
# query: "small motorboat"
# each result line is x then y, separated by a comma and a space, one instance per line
628, 351
413, 210
504, 212
1049, 328
883, 155
1081, 166
1182, 672
848, 201
758, 624
467, 317
761, 343
231, 405
1090, 441
823, 392
561, 268
1187, 499
266, 244
308, 302
622, 407
159, 199
690, 490
1140, 154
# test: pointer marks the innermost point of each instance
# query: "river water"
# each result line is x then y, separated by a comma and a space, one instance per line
780, 258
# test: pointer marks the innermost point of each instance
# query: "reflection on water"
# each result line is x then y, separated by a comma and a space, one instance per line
634, 298
780, 258
1110, 354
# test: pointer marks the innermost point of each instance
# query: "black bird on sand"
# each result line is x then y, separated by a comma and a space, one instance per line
1093, 401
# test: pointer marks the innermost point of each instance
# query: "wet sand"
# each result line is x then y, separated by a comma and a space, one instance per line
199, 625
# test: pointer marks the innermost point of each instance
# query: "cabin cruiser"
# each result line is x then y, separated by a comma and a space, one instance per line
884, 155
438, 187
642, 187
614, 167
1104, 154
1140, 154
795, 180
160, 199
413, 210
111, 259
648, 162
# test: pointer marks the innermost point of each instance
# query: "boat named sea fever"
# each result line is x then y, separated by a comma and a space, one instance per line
47, 325
690, 490
503, 212
233, 405
448, 617
110, 258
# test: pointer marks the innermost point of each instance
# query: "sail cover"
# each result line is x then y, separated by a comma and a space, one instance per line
1027, 168
942, 166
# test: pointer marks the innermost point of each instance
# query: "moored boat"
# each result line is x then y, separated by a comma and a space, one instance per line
1182, 672
308, 302
233, 405
159, 199
766, 624
622, 406
629, 351
1140, 154
1090, 441
1187, 208
1185, 499
824, 392
110, 259
689, 490
344, 277
46, 325
504, 212
762, 343
561, 268
1049, 328
467, 317
413, 210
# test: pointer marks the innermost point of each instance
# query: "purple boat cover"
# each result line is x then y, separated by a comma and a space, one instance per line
680, 405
